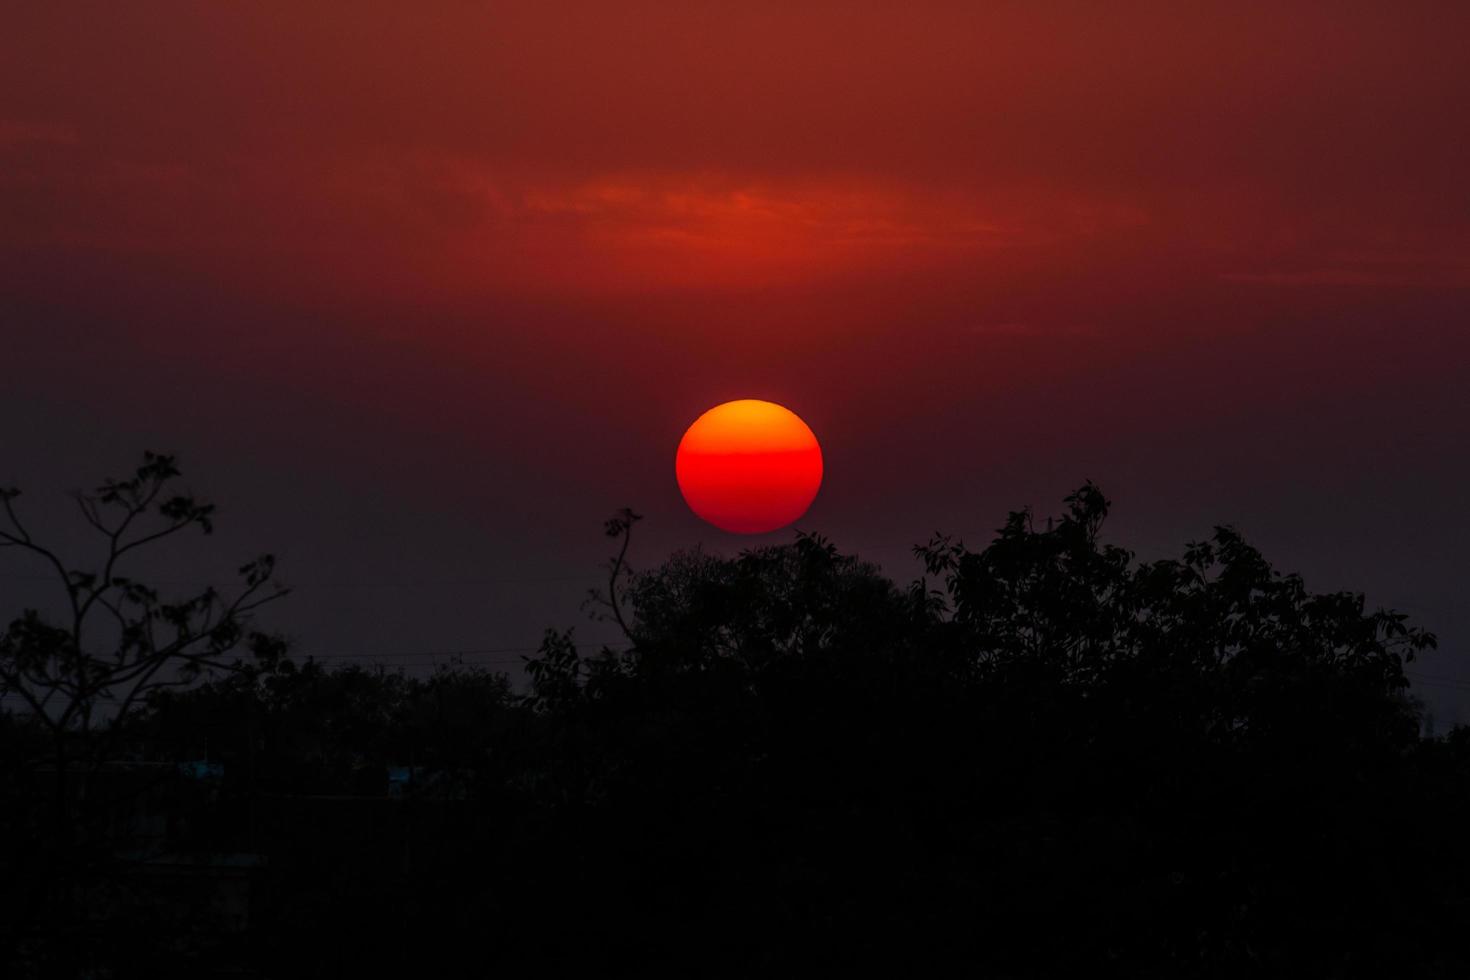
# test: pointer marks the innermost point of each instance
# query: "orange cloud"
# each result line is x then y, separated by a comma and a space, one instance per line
707, 230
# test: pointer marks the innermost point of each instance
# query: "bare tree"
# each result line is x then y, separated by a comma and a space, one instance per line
83, 672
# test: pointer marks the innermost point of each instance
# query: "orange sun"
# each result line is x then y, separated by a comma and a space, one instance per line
749, 466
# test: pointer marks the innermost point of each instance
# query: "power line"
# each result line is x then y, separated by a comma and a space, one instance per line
462, 651
1438, 680
417, 584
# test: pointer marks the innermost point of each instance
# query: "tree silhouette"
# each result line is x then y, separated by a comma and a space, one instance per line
1043, 758
1189, 767
118, 641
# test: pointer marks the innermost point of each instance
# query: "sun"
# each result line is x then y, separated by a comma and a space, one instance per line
749, 466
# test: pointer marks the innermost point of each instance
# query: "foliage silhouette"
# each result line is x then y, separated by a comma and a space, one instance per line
1192, 766
1044, 758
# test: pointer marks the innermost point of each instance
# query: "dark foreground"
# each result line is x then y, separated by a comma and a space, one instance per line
1049, 761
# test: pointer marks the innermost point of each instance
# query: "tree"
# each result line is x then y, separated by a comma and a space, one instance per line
1044, 758
118, 639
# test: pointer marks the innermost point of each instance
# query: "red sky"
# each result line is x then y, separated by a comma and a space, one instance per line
424, 291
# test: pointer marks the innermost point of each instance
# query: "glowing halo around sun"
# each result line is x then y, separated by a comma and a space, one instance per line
749, 466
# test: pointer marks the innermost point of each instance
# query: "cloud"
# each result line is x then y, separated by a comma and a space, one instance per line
709, 229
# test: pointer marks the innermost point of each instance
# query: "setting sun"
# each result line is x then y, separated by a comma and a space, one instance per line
749, 466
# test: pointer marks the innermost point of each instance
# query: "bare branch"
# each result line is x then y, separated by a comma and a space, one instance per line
620, 525
88, 507
133, 545
7, 499
117, 614
240, 608
51, 558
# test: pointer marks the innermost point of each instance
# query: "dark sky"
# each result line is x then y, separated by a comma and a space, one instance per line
422, 292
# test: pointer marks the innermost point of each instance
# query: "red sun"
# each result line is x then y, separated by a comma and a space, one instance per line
749, 466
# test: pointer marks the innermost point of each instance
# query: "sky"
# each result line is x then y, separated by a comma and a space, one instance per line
421, 293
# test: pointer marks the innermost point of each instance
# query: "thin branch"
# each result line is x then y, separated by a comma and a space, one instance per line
134, 508
117, 614
24, 541
280, 593
176, 651
7, 499
116, 552
88, 507
173, 528
612, 583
